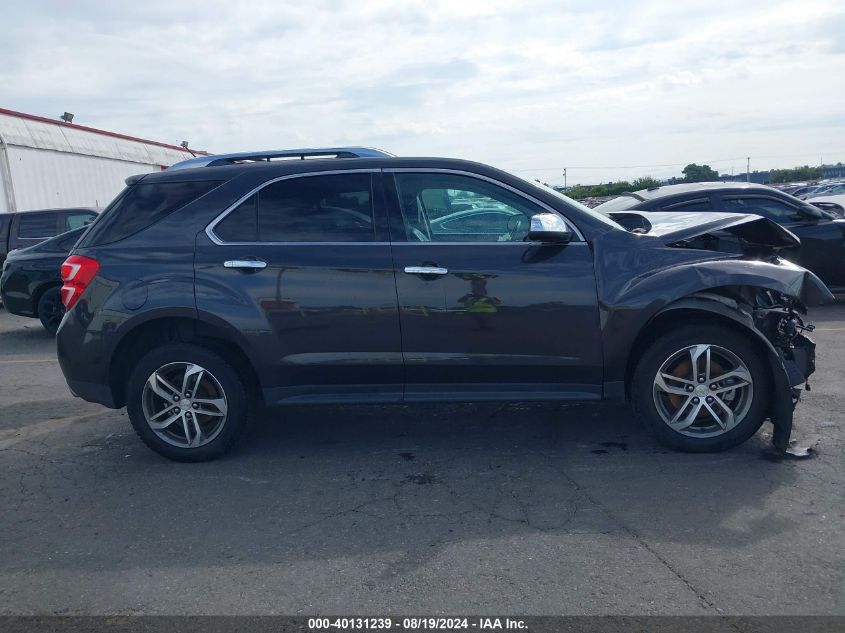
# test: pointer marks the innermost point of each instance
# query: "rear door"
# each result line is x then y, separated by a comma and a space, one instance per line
301, 269
484, 314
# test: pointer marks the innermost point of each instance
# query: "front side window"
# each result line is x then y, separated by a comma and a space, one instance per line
759, 205
75, 220
331, 208
455, 208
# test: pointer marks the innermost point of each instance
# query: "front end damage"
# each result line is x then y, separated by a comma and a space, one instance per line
778, 318
727, 264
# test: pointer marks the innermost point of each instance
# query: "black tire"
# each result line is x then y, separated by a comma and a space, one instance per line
50, 309
238, 409
662, 349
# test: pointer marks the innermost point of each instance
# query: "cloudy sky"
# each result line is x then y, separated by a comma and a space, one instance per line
610, 90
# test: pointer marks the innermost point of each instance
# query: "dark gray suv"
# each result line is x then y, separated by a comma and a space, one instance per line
358, 277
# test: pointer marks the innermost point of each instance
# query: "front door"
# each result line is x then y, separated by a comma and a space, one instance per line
485, 314
302, 270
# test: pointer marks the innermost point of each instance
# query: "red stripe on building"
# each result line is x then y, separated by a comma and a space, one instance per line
33, 117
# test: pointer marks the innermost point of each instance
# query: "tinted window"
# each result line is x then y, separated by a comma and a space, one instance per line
241, 225
336, 208
699, 204
452, 208
61, 243
141, 206
37, 225
75, 220
767, 207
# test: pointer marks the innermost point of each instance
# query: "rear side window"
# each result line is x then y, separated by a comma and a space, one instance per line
333, 208
37, 225
699, 204
241, 225
141, 206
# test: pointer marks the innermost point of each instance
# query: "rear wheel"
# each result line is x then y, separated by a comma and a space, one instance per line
186, 402
702, 388
50, 309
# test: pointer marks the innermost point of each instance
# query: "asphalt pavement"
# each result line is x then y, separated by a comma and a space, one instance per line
425, 509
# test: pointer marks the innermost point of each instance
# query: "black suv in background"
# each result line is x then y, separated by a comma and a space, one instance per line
231, 280
27, 228
31, 284
822, 234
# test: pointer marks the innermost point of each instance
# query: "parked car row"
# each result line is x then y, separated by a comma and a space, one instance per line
826, 194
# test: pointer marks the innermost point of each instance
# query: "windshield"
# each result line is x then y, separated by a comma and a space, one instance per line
574, 203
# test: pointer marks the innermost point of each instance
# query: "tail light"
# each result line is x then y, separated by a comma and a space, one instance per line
77, 273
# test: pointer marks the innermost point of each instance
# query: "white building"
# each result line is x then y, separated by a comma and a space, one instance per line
46, 164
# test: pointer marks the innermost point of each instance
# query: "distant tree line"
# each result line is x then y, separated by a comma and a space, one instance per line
796, 174
691, 173
579, 192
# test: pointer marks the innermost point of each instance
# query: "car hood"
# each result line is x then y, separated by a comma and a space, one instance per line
752, 231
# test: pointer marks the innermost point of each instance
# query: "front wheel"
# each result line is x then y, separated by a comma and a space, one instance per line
186, 402
702, 388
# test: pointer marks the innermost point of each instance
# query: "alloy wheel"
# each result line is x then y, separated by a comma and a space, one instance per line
184, 404
703, 390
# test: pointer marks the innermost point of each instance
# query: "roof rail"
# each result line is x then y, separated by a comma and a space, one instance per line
215, 160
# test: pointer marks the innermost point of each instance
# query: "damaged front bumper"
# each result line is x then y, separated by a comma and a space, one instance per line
792, 354
796, 363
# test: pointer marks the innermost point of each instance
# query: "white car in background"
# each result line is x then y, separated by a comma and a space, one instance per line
831, 199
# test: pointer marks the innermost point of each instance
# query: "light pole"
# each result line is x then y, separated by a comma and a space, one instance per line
564, 178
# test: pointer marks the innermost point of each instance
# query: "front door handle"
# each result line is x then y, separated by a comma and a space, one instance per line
251, 264
425, 270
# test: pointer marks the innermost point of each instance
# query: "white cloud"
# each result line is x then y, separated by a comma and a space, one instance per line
521, 85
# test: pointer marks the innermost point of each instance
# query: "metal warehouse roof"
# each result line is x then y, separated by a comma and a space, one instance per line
27, 130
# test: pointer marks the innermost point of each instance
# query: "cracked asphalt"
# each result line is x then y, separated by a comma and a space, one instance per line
462, 509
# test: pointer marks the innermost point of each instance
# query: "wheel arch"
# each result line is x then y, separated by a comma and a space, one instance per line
706, 307
143, 336
39, 292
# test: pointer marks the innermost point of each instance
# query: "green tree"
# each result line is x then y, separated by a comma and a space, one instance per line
644, 182
604, 190
795, 174
699, 173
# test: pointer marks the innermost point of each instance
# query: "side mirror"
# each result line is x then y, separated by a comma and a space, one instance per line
549, 227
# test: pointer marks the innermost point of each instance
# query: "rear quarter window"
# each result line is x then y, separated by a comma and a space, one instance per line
142, 205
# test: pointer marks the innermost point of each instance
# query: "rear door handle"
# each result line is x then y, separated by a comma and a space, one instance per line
425, 270
252, 264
